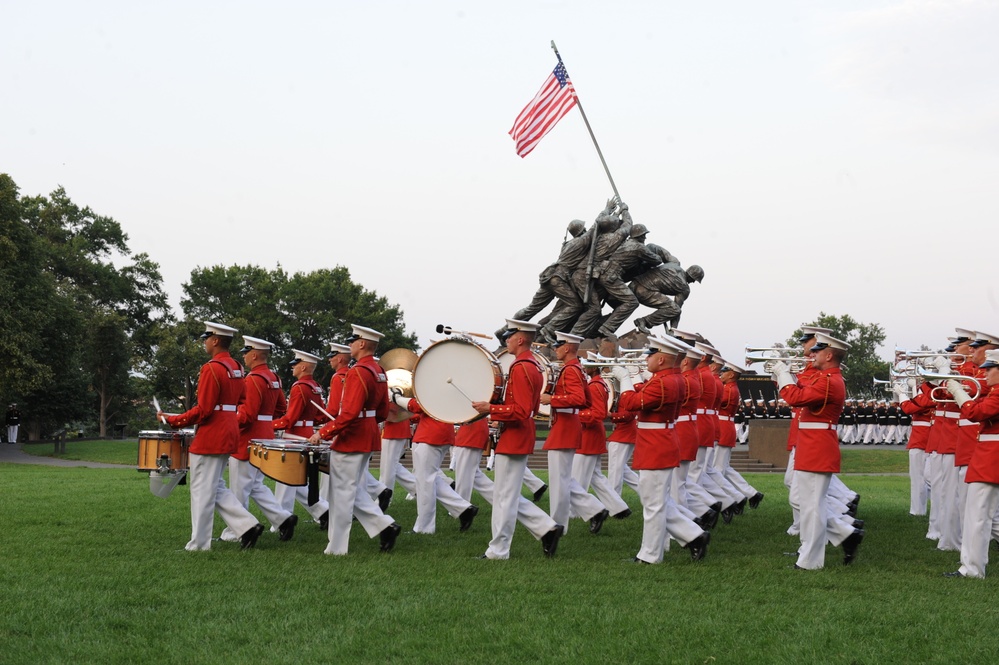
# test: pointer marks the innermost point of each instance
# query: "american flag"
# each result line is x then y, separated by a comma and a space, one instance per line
554, 100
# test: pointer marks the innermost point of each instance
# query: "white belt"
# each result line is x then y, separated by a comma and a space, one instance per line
920, 423
303, 423
700, 412
265, 418
566, 410
966, 423
655, 425
811, 425
946, 414
683, 419
366, 414
225, 407
724, 418
710, 412
988, 437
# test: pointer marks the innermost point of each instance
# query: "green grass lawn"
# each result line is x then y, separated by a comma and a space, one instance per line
94, 570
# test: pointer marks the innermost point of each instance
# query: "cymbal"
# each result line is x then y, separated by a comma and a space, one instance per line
398, 359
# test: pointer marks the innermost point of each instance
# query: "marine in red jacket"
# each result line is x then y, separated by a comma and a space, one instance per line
302, 414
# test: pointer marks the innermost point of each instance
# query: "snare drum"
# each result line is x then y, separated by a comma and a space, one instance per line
453, 373
280, 460
171, 445
506, 362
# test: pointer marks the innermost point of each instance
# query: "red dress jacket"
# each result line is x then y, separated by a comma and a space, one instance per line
220, 387
943, 431
473, 435
921, 408
398, 430
706, 402
731, 400
363, 404
302, 414
521, 398
685, 430
263, 399
594, 441
568, 397
657, 402
428, 430
625, 426
792, 433
967, 437
984, 465
821, 396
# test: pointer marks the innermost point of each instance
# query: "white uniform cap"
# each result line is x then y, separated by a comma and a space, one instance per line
686, 335
256, 343
707, 349
991, 359
566, 338
360, 332
515, 325
738, 369
337, 348
983, 338
304, 357
808, 332
668, 346
219, 329
963, 332
823, 341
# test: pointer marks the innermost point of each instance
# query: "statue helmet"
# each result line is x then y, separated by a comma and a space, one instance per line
638, 231
576, 228
695, 273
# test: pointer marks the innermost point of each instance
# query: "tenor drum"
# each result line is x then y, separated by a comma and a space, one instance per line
170, 446
283, 461
453, 373
506, 362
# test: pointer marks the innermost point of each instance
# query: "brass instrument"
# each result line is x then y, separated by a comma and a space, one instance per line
398, 365
887, 384
943, 378
778, 350
795, 364
916, 359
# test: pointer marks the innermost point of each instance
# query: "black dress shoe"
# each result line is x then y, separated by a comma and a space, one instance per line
324, 520
452, 484
388, 536
699, 546
956, 573
623, 514
637, 560
856, 502
851, 510
249, 539
728, 513
287, 528
797, 567
466, 517
851, 544
740, 507
716, 506
754, 501
482, 556
549, 541
540, 493
597, 521
858, 524
384, 499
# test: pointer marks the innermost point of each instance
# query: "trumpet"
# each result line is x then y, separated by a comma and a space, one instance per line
922, 357
885, 383
794, 363
779, 351
943, 378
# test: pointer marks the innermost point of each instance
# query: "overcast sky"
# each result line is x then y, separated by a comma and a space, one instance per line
837, 156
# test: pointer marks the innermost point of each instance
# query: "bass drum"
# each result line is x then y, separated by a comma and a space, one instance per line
547, 375
453, 373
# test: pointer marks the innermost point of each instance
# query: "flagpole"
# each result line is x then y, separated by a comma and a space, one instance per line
596, 145
600, 154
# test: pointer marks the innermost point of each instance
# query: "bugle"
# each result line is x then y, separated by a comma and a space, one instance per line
778, 351
936, 396
795, 364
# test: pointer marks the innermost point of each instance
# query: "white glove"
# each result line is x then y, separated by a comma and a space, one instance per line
912, 383
634, 371
620, 372
398, 398
942, 364
646, 375
901, 392
782, 375
957, 390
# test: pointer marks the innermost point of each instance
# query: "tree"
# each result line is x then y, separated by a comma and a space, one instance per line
862, 363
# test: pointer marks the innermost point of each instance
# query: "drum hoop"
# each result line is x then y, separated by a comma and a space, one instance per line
489, 355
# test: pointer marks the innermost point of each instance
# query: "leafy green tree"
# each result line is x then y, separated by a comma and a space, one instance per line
862, 363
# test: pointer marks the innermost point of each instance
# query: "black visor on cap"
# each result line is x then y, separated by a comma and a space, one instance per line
819, 346
245, 349
559, 342
987, 364
294, 362
331, 354
979, 342
352, 339
961, 340
950, 348
805, 337
509, 332
206, 334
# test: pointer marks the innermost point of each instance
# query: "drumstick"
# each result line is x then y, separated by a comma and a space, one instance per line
294, 437
447, 330
459, 390
321, 409
156, 405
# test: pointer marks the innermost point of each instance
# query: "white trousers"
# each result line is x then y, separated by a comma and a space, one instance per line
433, 486
247, 482
723, 462
12, 433
466, 463
286, 495
586, 471
932, 476
618, 472
390, 468
509, 505
919, 491
661, 519
817, 523
792, 496
689, 495
348, 498
566, 496
531, 481
979, 528
950, 527
208, 494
